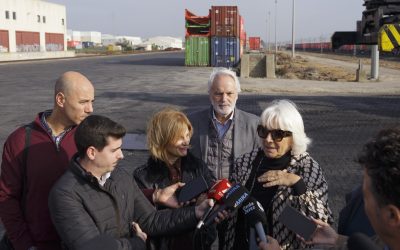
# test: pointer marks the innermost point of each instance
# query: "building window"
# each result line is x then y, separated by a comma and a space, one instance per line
62, 21
14, 15
38, 18
44, 19
7, 14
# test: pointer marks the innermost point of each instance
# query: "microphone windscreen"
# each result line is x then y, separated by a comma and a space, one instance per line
359, 241
254, 212
218, 190
235, 196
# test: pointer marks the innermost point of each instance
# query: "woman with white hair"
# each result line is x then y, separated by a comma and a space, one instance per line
284, 174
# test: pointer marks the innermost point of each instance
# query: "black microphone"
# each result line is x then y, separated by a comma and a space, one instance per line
255, 216
359, 241
232, 200
215, 193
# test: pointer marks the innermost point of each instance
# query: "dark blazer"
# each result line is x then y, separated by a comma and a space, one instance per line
245, 138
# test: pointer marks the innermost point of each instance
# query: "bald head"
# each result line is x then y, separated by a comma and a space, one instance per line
74, 95
69, 81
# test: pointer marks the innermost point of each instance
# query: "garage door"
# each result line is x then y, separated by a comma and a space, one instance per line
27, 41
4, 45
54, 42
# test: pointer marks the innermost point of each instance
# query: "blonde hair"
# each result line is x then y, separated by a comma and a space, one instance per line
166, 126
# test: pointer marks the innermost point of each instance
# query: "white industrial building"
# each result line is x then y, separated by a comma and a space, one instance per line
91, 36
32, 26
164, 42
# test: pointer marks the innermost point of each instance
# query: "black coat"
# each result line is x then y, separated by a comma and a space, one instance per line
81, 210
155, 174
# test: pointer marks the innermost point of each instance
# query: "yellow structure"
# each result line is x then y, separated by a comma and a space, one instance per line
389, 38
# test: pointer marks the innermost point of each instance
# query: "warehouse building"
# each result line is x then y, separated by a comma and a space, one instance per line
32, 29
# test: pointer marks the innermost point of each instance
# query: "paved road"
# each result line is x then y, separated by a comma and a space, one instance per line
339, 117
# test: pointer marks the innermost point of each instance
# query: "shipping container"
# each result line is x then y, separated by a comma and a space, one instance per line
54, 42
197, 51
4, 44
225, 21
87, 44
225, 51
254, 43
27, 41
197, 25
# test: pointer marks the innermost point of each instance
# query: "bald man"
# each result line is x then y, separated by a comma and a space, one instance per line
28, 175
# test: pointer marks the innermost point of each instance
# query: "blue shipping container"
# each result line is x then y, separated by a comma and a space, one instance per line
225, 51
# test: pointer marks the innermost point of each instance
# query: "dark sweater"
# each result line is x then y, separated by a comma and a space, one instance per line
45, 164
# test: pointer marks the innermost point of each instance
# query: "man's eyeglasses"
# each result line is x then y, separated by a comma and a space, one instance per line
276, 134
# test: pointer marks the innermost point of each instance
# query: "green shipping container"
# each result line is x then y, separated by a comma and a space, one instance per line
197, 51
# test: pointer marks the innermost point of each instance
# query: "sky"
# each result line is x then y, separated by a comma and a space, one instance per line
315, 20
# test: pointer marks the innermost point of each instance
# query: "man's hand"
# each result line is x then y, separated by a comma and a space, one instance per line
166, 196
138, 231
278, 178
324, 234
271, 245
203, 207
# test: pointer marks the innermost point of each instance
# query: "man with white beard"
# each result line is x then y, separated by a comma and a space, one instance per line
223, 133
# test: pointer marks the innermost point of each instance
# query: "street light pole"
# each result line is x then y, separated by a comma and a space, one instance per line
269, 31
293, 23
276, 14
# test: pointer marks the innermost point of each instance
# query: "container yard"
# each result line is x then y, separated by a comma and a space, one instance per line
224, 33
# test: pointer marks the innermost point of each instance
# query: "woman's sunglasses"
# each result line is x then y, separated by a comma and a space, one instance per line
276, 134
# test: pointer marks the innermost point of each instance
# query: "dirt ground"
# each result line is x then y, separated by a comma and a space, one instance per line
302, 68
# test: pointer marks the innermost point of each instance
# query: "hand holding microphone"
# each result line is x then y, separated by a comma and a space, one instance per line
232, 200
215, 193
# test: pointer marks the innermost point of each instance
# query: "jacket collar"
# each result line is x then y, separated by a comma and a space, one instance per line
79, 171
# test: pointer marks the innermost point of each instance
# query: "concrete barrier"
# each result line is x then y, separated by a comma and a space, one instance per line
20, 56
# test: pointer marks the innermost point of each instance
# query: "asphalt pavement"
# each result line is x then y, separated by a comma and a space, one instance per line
339, 117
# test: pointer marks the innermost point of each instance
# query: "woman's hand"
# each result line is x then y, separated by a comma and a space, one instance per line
278, 178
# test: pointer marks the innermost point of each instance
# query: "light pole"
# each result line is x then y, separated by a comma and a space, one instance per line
269, 31
293, 23
276, 14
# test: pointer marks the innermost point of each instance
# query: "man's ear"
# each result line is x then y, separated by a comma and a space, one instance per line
60, 99
392, 216
91, 152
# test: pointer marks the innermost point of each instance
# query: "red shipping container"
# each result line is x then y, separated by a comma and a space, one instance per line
4, 41
27, 41
225, 21
54, 42
254, 43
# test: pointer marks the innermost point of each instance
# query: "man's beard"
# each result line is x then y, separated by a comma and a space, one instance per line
225, 111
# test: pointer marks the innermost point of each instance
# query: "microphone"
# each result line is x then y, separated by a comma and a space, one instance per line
215, 193
359, 241
232, 200
255, 216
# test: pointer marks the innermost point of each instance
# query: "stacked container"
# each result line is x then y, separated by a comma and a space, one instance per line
197, 47
225, 34
254, 43
242, 36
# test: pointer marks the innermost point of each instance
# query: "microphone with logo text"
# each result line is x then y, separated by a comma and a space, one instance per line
215, 193
359, 241
232, 200
255, 216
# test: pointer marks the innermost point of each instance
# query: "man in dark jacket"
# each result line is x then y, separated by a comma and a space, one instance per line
26, 178
92, 198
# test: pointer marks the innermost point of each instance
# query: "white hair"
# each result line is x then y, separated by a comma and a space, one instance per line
223, 71
283, 114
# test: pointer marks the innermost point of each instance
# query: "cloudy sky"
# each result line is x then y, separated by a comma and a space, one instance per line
315, 19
